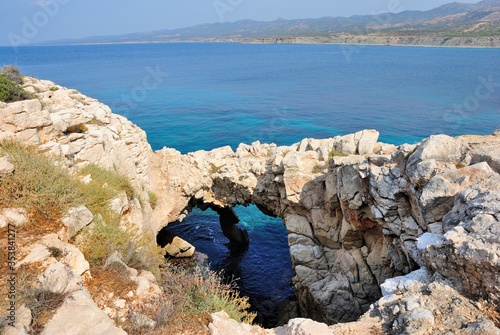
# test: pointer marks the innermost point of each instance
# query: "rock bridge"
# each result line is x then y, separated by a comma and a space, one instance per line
355, 209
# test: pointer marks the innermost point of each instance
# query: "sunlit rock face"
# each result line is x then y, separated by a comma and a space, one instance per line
354, 209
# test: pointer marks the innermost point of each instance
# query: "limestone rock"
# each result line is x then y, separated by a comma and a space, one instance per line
22, 324
5, 166
79, 315
222, 324
468, 252
367, 141
59, 278
175, 246
67, 253
39, 253
353, 224
76, 218
13, 216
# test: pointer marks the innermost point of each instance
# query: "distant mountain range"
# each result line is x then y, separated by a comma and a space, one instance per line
455, 21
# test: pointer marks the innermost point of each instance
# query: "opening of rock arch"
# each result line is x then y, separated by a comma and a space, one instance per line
262, 268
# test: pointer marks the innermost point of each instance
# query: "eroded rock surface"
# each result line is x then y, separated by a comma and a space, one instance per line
353, 222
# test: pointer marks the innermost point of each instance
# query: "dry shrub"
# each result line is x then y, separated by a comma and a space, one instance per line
202, 292
77, 128
12, 73
491, 311
42, 303
37, 184
112, 278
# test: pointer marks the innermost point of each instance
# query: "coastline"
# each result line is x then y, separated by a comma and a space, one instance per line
488, 42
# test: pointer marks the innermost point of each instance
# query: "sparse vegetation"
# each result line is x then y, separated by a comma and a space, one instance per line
77, 128
335, 153
214, 168
12, 73
319, 168
197, 293
37, 185
153, 199
41, 302
109, 234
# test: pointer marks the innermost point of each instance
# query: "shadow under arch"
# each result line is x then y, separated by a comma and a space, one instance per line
255, 255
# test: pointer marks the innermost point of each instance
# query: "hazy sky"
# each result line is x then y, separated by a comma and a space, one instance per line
41, 20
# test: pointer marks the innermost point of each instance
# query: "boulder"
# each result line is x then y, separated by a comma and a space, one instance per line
76, 218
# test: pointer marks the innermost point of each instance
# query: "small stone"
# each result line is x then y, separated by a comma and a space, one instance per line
5, 166
120, 303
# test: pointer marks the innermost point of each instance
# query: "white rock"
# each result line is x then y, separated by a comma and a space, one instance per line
76, 218
79, 315
39, 253
13, 216
429, 239
413, 281
5, 166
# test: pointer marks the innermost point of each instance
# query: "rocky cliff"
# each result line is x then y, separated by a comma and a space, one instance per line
74, 131
407, 237
357, 221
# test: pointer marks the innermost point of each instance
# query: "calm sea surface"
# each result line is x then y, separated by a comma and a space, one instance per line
201, 96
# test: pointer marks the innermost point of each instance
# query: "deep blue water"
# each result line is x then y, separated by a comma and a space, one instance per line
225, 94
263, 272
219, 94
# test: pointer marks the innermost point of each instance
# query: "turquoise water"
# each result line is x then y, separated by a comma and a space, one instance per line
194, 96
224, 94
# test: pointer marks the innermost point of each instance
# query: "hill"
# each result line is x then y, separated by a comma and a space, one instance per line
467, 24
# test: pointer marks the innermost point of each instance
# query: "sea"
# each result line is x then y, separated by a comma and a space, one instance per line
200, 96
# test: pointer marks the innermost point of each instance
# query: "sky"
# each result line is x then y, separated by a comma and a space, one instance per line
32, 21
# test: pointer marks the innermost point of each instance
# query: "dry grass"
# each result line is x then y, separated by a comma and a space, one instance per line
77, 128
190, 296
42, 303
335, 153
491, 311
153, 199
111, 279
37, 185
201, 292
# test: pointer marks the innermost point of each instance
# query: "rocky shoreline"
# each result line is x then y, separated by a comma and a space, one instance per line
402, 239
387, 40
360, 40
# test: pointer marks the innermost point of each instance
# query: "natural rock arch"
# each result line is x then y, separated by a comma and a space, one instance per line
352, 222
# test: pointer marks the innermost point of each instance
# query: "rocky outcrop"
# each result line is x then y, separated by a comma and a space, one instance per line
356, 221
414, 304
78, 130
75, 131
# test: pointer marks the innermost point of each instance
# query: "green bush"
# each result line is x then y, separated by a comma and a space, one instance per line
11, 72
11, 92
